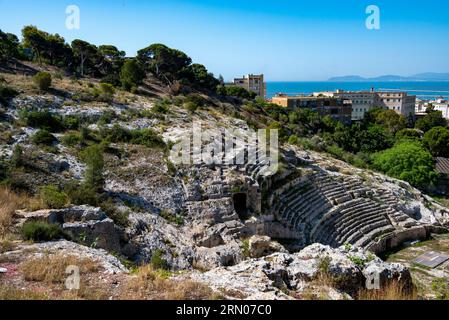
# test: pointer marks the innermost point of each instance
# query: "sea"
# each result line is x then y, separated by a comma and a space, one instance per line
423, 90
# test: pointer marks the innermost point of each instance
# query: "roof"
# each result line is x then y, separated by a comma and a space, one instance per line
442, 165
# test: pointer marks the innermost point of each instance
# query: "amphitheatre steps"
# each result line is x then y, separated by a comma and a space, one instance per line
335, 210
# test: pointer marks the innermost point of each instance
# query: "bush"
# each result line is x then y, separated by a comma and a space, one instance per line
171, 217
6, 93
146, 137
161, 106
42, 80
42, 120
107, 88
81, 194
431, 120
436, 140
408, 134
158, 262
191, 106
236, 91
407, 161
120, 218
196, 99
131, 74
93, 156
106, 93
71, 122
71, 139
41, 231
53, 198
43, 137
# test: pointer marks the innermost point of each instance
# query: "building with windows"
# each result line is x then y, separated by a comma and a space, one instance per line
252, 82
441, 105
400, 102
363, 101
337, 108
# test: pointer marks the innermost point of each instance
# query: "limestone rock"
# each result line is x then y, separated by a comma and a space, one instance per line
85, 224
102, 234
110, 263
260, 246
287, 276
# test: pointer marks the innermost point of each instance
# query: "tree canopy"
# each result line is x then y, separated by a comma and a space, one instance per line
131, 74
437, 141
408, 161
430, 120
166, 63
9, 44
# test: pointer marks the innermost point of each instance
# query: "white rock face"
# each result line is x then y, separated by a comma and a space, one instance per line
260, 246
283, 275
110, 263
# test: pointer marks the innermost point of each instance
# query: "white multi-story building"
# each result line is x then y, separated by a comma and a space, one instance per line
443, 106
400, 102
363, 101
438, 105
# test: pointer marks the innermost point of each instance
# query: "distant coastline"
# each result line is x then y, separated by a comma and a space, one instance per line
422, 89
422, 77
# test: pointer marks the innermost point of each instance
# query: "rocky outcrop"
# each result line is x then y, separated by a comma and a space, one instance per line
108, 262
260, 246
340, 272
84, 224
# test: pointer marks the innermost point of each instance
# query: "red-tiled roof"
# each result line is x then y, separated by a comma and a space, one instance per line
442, 165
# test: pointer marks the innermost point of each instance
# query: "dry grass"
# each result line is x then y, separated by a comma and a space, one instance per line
392, 291
52, 269
9, 203
10, 293
6, 244
155, 285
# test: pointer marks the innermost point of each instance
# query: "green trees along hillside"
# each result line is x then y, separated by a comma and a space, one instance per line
408, 161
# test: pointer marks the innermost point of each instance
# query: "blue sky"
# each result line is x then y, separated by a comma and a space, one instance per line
285, 40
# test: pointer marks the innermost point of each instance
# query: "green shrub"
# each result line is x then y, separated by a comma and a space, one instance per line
157, 261
41, 231
6, 93
440, 286
162, 106
107, 88
293, 139
196, 99
71, 122
53, 198
106, 118
146, 137
93, 157
71, 139
42, 80
191, 106
81, 194
407, 161
120, 218
106, 93
236, 91
131, 75
171, 217
43, 137
42, 120
245, 248
17, 159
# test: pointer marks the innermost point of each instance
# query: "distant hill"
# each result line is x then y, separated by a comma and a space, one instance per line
428, 76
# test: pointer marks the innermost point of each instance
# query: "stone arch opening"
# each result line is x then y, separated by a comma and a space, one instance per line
239, 200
